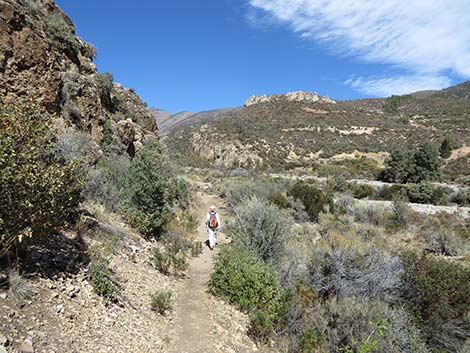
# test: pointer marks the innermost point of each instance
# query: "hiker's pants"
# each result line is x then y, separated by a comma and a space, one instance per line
212, 236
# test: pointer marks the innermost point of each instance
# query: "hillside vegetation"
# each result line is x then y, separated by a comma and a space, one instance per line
284, 134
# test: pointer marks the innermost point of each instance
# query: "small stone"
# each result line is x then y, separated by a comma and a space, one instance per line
3, 349
60, 309
3, 296
4, 340
27, 346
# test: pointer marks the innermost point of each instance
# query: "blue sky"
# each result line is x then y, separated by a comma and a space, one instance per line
199, 55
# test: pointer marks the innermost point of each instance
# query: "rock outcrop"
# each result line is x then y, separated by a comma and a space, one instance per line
297, 96
42, 58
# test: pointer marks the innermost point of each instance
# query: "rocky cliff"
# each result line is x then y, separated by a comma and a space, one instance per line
297, 96
42, 58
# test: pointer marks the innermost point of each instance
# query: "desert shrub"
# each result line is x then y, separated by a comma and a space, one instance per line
352, 325
361, 191
104, 81
62, 35
461, 197
445, 150
161, 261
371, 214
393, 103
263, 228
238, 190
279, 199
425, 193
146, 203
400, 214
180, 190
161, 302
313, 199
436, 293
309, 341
241, 279
443, 236
18, 287
196, 248
392, 192
39, 191
106, 181
261, 327
358, 270
102, 282
73, 145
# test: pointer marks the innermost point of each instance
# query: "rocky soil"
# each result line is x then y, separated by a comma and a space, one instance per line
64, 311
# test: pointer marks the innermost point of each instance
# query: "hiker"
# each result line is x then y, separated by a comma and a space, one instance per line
212, 226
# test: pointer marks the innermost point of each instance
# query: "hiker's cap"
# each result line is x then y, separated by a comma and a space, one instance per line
212, 208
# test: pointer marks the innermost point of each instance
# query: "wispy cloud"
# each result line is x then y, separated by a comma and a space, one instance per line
429, 39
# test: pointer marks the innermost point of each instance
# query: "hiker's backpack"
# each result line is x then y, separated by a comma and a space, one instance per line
213, 220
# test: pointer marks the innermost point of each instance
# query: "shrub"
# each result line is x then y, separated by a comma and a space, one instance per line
161, 261
261, 327
241, 279
427, 163
279, 199
146, 205
39, 191
425, 193
161, 302
393, 192
436, 293
105, 85
399, 167
394, 102
400, 214
314, 200
238, 191
352, 325
445, 150
18, 287
62, 36
106, 182
196, 248
263, 229
101, 281
73, 145
309, 341
361, 191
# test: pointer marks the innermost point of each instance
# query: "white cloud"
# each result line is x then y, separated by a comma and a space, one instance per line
384, 87
429, 38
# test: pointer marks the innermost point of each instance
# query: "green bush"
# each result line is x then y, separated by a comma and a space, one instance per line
279, 199
425, 193
101, 281
39, 191
313, 199
309, 341
392, 192
147, 204
422, 165
445, 150
161, 302
62, 36
394, 102
261, 327
400, 215
241, 279
436, 293
161, 261
105, 85
361, 191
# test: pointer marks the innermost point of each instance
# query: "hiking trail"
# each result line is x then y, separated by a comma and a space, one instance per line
203, 323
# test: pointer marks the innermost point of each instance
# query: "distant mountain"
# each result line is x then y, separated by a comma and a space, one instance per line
168, 122
278, 133
297, 96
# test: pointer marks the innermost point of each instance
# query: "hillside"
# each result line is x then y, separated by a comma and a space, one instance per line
42, 58
167, 122
282, 133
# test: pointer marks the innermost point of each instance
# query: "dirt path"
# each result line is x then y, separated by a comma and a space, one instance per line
203, 323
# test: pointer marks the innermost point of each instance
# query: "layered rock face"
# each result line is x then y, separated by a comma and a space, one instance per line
297, 96
42, 58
